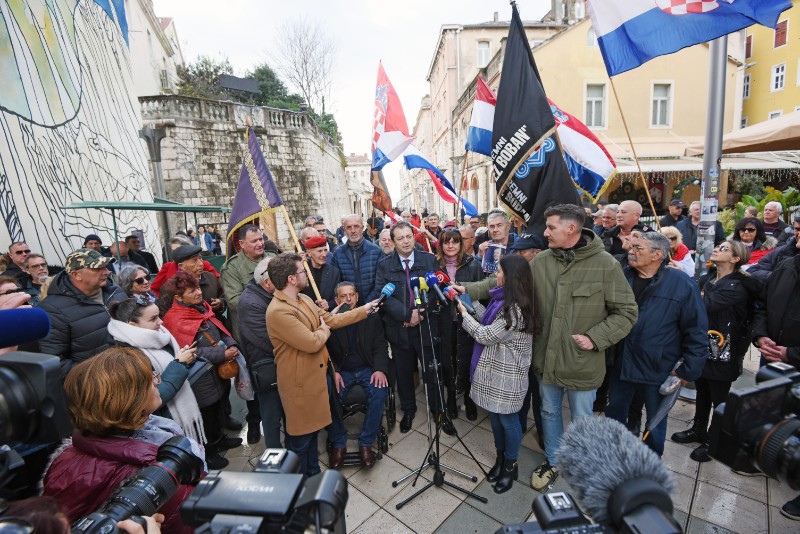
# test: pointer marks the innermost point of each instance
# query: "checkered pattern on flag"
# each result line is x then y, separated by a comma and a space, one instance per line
632, 32
389, 128
256, 193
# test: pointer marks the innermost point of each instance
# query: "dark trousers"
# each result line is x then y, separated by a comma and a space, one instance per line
213, 422
271, 411
404, 358
709, 392
620, 397
533, 400
253, 416
305, 447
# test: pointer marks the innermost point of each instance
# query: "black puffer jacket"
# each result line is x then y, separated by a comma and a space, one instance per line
779, 317
766, 265
78, 324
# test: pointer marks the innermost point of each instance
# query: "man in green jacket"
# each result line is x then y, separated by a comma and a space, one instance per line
586, 306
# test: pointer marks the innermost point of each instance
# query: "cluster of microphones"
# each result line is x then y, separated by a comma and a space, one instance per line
437, 281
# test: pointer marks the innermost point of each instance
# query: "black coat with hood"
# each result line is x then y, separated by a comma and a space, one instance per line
78, 324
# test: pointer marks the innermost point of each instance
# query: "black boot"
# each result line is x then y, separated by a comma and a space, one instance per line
507, 476
494, 472
469, 407
452, 405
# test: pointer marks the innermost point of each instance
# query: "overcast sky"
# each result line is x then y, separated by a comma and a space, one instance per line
401, 34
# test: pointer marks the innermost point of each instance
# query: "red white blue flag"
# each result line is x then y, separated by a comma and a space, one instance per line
479, 135
589, 163
389, 129
415, 160
632, 32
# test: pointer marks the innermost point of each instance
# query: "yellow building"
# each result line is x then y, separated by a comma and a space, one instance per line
771, 85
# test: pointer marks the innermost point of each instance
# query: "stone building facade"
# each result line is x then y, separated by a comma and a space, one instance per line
202, 158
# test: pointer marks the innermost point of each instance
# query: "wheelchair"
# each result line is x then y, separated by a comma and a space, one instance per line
355, 403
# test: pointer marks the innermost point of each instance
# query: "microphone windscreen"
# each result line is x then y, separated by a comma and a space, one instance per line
598, 454
423, 285
432, 279
23, 325
443, 278
388, 289
414, 281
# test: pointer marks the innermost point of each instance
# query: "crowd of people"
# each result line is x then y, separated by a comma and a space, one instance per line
601, 309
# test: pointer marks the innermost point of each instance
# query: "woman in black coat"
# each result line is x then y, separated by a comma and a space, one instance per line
728, 294
456, 344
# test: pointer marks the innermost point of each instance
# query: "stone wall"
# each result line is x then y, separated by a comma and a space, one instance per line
202, 158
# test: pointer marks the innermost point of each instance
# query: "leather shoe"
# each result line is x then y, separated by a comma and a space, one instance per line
700, 454
215, 461
689, 436
447, 426
470, 408
367, 456
406, 422
233, 424
253, 433
228, 443
337, 457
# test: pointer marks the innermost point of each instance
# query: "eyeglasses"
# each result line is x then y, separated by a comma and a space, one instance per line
748, 230
639, 248
300, 272
140, 280
38, 266
722, 248
156, 378
11, 291
21, 252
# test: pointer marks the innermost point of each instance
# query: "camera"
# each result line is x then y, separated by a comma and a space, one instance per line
33, 419
275, 497
759, 425
146, 492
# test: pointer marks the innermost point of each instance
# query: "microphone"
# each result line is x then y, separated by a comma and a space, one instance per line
415, 286
444, 280
23, 325
452, 294
423, 285
616, 477
386, 292
433, 281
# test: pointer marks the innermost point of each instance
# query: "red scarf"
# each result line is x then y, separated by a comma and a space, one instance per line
183, 322
680, 252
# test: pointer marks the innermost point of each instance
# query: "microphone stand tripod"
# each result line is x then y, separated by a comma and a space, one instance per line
432, 458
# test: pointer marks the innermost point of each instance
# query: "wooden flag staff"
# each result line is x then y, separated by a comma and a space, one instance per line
300, 251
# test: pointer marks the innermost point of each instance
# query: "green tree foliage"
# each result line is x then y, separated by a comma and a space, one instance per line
200, 79
272, 91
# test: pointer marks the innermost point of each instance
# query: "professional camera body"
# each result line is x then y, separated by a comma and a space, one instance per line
32, 413
759, 425
273, 498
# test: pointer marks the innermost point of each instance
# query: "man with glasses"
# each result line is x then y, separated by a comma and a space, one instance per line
672, 326
788, 251
77, 303
18, 252
36, 267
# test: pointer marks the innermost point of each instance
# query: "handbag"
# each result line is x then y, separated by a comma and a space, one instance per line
265, 375
198, 368
227, 369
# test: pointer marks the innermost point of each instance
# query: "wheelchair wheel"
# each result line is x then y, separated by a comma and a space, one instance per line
383, 441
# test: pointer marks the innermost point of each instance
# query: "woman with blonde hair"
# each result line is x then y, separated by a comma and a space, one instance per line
681, 259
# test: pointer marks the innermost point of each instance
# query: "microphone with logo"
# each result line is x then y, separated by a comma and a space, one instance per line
415, 285
433, 282
620, 483
452, 294
386, 292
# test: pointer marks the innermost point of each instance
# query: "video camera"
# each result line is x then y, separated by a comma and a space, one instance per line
32, 412
275, 497
759, 425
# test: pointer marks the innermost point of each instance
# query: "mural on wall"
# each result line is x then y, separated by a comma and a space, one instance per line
69, 125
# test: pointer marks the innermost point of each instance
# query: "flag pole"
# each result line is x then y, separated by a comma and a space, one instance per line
300, 251
635, 157
461, 182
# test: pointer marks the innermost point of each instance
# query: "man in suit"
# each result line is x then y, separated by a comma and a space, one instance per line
407, 323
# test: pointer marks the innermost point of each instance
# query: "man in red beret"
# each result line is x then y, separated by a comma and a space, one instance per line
325, 275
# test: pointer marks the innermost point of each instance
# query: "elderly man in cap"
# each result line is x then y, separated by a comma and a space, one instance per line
675, 213
77, 303
188, 258
93, 242
326, 276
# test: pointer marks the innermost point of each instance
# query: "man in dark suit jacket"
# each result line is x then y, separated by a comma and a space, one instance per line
326, 276
360, 356
407, 323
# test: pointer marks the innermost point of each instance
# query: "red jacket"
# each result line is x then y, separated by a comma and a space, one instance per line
87, 472
169, 269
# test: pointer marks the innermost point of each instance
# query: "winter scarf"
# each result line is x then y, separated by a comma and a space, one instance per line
183, 407
183, 322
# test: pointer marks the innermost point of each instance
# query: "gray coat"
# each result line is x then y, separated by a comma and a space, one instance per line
501, 378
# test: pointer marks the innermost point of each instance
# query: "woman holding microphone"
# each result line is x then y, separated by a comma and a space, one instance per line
503, 333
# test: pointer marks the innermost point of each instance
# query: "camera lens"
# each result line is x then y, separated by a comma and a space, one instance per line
18, 405
777, 451
154, 485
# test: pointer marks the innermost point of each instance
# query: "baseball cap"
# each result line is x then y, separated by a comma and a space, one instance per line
528, 241
677, 202
86, 258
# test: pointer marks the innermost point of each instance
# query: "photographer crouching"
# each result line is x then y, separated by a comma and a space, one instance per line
111, 398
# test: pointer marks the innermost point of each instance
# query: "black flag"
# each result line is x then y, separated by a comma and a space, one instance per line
529, 169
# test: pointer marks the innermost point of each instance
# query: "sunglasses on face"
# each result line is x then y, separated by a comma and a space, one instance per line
748, 230
673, 238
38, 266
722, 248
140, 280
21, 252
